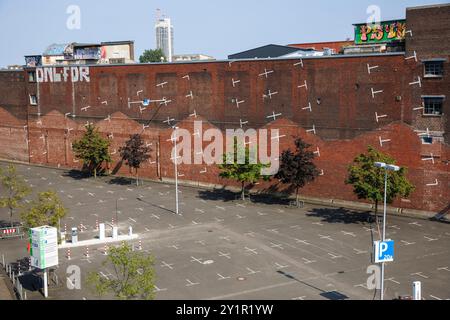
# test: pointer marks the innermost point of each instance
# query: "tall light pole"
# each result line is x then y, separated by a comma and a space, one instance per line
175, 158
386, 167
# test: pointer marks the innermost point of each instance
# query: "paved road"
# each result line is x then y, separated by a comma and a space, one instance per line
220, 248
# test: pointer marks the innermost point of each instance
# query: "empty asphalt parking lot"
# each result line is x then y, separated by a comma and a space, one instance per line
220, 248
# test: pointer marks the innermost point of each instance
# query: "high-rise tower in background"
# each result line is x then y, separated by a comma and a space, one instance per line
164, 35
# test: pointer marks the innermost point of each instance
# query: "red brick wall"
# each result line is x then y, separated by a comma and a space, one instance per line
344, 119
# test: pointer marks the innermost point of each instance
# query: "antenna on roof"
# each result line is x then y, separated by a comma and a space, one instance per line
158, 14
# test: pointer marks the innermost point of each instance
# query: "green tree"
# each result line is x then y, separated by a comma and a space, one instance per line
297, 169
152, 56
47, 210
242, 171
135, 152
133, 275
368, 180
92, 149
15, 188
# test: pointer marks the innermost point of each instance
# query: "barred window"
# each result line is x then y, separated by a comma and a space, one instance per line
33, 100
434, 68
433, 106
31, 76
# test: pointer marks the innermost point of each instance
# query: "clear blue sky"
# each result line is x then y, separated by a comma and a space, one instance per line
213, 27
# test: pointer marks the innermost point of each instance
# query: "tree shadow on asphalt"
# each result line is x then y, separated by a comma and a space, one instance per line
330, 295
225, 195
342, 215
122, 181
76, 174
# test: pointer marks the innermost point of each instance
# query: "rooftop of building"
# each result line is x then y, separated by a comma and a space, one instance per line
438, 5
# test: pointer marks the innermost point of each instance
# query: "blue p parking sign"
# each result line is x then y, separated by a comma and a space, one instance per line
384, 251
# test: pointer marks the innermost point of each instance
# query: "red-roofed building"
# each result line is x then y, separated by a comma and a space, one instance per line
336, 46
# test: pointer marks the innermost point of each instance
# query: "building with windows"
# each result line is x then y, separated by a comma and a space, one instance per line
164, 37
192, 57
113, 52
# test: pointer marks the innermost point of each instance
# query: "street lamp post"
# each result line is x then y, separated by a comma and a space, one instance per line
386, 167
175, 158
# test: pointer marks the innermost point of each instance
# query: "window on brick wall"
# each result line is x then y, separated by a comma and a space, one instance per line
433, 68
33, 100
427, 140
31, 76
433, 105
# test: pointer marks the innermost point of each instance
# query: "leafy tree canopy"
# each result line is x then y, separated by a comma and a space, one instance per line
368, 180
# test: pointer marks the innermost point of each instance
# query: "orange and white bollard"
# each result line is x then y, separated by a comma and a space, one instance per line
140, 245
105, 250
87, 252
112, 221
65, 228
96, 225
81, 227
68, 254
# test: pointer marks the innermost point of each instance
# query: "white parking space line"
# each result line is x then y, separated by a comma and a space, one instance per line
420, 274
280, 266
307, 261
430, 239
359, 251
444, 268
302, 241
167, 265
251, 250
325, 237
250, 234
274, 245
221, 277
334, 256
159, 290
190, 283
415, 223
251, 271
226, 255
194, 259
349, 233
406, 243
392, 280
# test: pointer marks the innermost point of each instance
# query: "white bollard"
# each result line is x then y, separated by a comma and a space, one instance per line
130, 231
115, 233
417, 290
101, 234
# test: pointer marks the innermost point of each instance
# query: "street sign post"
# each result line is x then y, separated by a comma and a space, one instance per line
384, 251
44, 254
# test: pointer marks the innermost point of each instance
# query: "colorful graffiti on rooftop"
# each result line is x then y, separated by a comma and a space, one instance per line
383, 32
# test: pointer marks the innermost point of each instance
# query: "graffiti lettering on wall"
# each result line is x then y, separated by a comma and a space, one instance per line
65, 74
380, 33
87, 53
33, 61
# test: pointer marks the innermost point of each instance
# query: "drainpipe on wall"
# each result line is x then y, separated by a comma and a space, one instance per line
158, 152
